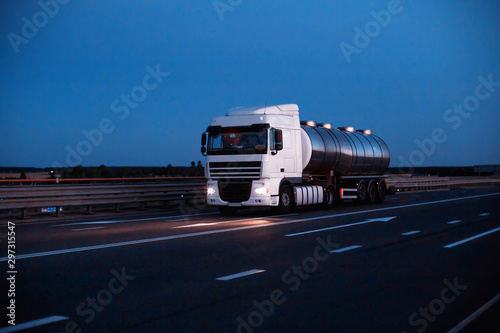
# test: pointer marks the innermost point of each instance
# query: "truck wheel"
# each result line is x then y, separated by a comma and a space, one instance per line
371, 196
286, 200
329, 199
362, 191
227, 211
381, 191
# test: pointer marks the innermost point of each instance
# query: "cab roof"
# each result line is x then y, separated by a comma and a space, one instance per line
283, 109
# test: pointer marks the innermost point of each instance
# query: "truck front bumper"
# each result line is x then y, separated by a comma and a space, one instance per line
255, 200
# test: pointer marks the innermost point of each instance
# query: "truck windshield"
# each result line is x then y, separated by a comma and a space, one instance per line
237, 140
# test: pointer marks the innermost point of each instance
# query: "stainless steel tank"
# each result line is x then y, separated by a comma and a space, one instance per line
345, 152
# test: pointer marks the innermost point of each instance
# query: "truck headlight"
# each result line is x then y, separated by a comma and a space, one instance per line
261, 190
210, 190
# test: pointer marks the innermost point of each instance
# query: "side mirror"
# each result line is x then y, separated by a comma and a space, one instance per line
203, 143
278, 139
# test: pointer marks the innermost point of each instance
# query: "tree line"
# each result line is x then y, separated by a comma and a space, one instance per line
79, 171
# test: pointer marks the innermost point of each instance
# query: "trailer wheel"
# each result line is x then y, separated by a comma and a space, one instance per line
227, 211
381, 191
329, 197
362, 191
372, 192
286, 199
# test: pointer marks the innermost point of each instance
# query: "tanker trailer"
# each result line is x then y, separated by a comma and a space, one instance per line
265, 156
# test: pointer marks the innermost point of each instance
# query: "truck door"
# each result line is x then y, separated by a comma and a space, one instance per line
289, 151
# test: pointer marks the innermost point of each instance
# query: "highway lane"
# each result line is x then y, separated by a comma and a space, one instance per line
121, 228
375, 287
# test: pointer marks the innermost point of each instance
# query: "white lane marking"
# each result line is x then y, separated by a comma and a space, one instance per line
410, 233
31, 324
139, 241
223, 222
202, 233
383, 219
195, 225
484, 214
392, 208
238, 275
152, 218
455, 221
88, 228
133, 220
476, 314
471, 238
352, 247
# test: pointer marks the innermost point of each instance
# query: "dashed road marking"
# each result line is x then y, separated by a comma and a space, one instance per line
88, 228
471, 238
382, 219
242, 274
348, 248
476, 314
410, 233
33, 323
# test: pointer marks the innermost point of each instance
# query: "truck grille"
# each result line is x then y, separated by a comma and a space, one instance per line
234, 170
235, 191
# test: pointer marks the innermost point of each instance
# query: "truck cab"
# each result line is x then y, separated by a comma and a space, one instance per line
250, 152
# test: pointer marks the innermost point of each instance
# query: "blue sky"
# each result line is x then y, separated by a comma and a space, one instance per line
63, 80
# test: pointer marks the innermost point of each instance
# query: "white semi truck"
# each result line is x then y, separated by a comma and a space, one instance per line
266, 156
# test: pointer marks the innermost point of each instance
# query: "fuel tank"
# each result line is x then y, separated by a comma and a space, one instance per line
346, 152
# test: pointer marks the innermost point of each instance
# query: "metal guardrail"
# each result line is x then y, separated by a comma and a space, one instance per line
23, 197
408, 183
88, 192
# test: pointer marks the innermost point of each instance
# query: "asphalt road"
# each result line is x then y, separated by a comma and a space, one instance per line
420, 262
